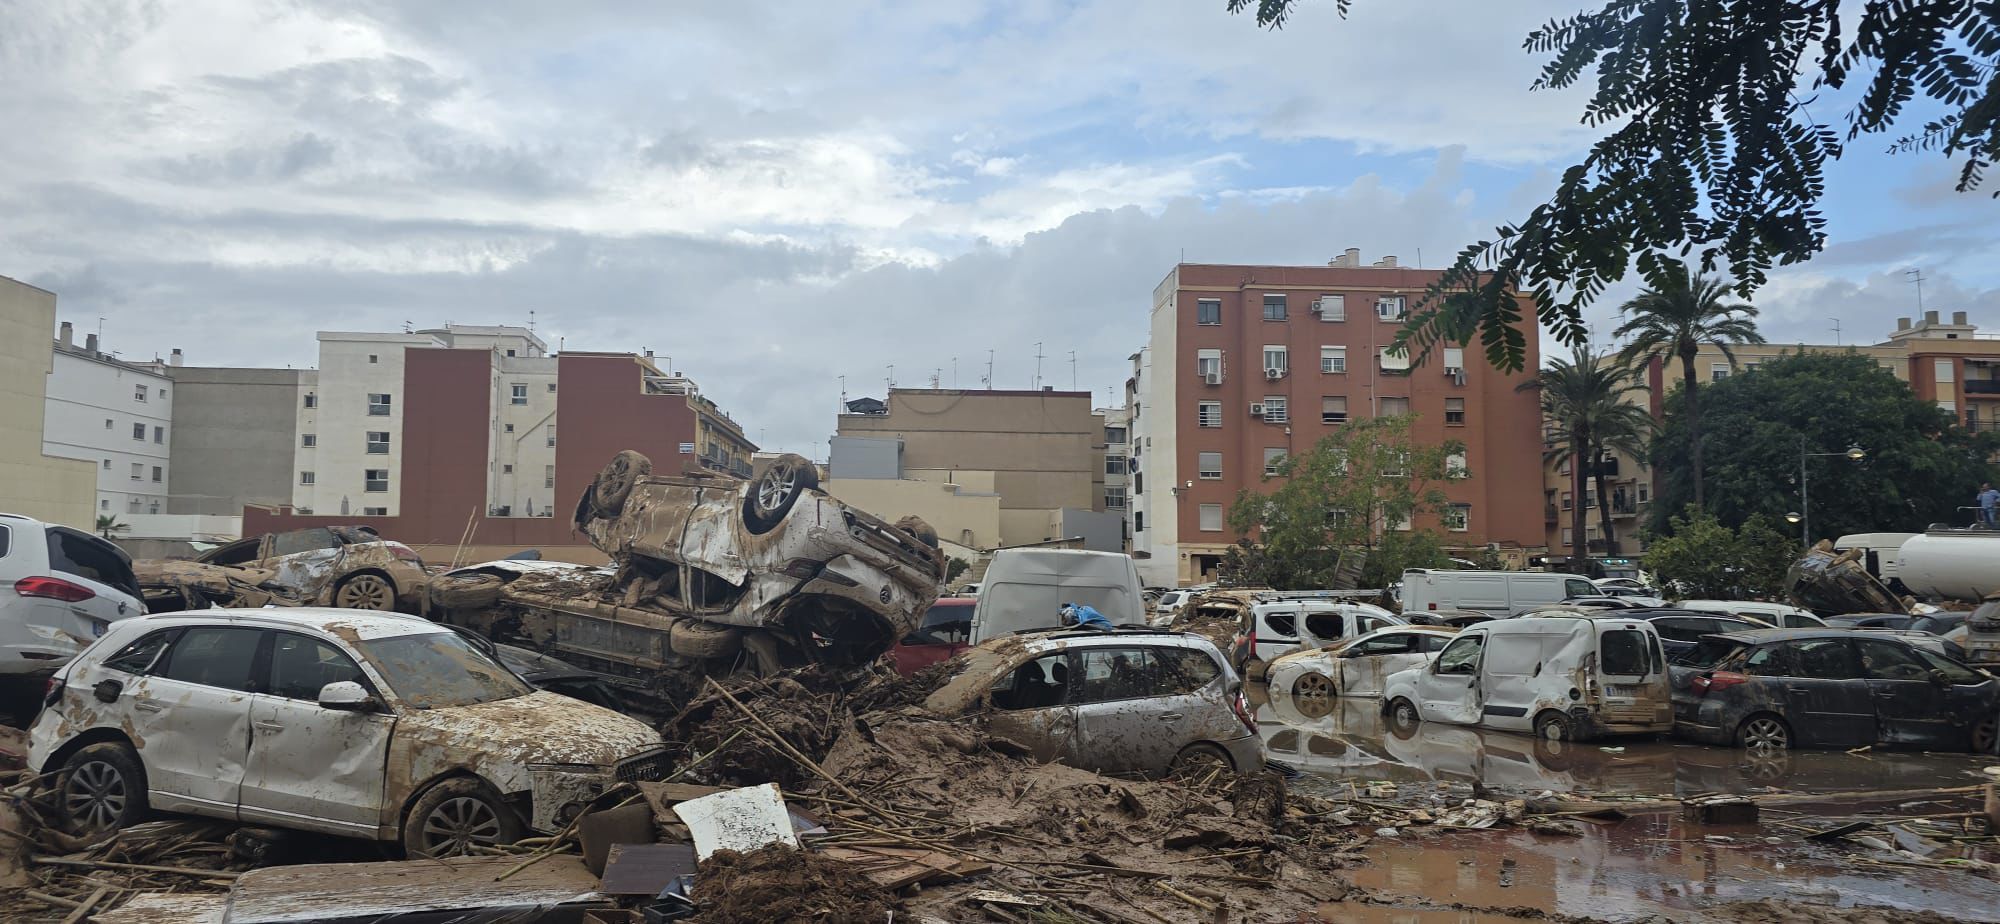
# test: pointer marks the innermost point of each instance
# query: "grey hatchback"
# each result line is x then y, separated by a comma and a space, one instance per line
1783, 688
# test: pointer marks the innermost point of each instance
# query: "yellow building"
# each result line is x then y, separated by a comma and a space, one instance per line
32, 484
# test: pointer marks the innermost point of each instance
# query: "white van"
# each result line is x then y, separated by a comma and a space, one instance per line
1564, 678
1281, 627
1502, 593
1784, 616
1879, 554
1024, 589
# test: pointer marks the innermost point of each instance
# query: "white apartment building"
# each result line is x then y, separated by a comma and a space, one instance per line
1118, 466
115, 414
1141, 524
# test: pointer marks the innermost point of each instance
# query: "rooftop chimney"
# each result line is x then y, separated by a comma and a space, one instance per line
90, 342
1930, 317
67, 334
174, 358
1958, 317
1388, 261
1902, 323
1353, 256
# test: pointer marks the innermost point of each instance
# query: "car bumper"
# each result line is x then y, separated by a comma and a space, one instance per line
1705, 734
38, 639
1247, 752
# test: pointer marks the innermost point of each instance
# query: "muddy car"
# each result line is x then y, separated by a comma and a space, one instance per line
345, 566
1354, 667
1831, 583
376, 726
1129, 701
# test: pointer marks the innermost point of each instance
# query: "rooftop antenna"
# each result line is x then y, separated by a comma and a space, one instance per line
989, 370
936, 375
843, 392
1038, 365
954, 373
1916, 276
892, 376
1072, 370
1836, 330
531, 319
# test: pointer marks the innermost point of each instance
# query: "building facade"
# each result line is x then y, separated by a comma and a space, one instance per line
1118, 469
235, 437
117, 415
33, 481
1247, 364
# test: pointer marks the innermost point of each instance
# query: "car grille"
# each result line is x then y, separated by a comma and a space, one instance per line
647, 769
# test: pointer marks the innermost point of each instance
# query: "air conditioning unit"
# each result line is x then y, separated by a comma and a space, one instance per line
1318, 306
1274, 374
1257, 410
1212, 378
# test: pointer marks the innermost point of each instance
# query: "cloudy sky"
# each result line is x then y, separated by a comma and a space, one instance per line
780, 194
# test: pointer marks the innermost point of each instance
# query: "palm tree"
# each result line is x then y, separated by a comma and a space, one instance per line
1677, 319
1585, 412
108, 524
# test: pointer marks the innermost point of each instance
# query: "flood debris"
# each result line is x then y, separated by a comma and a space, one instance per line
1831, 582
346, 566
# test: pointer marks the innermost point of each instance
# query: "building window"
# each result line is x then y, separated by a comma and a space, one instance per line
1395, 407
378, 405
308, 440
552, 388
307, 478
1208, 466
510, 352
1211, 518
1645, 492
1403, 522
1333, 409
374, 511
107, 465
1396, 465
1333, 307
506, 469
1718, 371
312, 400
1274, 307
1114, 497
1138, 521
1941, 371
1273, 455
104, 504
1208, 365
1114, 465
1333, 359
160, 435
1275, 410
1454, 360
132, 505
1568, 502
138, 471
552, 434
1394, 360
1389, 307
509, 428
139, 393
1114, 435
372, 357
163, 392
1208, 312
139, 432
378, 442
159, 473
375, 480
1454, 412
1277, 359
1455, 466
548, 476
107, 423
1569, 538
520, 394
1209, 414
1458, 517
1949, 407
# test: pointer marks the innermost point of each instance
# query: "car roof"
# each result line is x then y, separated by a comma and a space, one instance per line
353, 625
1762, 636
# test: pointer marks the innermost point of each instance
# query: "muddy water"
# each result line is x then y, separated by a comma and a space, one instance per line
1352, 743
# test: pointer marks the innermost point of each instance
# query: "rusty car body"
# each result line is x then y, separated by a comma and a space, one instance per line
1832, 583
1127, 701
368, 725
346, 566
1357, 666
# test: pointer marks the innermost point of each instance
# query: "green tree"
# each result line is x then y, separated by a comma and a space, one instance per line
107, 525
1585, 413
1710, 146
1920, 465
1399, 551
953, 567
1338, 500
1677, 320
1704, 558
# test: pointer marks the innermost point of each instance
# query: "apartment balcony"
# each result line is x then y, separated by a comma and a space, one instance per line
1607, 467
1621, 507
1982, 386
1550, 516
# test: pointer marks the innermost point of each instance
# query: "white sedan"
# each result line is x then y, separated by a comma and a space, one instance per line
1353, 667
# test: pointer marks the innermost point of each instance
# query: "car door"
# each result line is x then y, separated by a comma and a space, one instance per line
308, 766
190, 718
1448, 691
1827, 701
1031, 708
1128, 719
1277, 632
1364, 665
1909, 706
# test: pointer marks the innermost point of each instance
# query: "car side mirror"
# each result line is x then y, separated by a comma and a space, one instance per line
1941, 678
345, 696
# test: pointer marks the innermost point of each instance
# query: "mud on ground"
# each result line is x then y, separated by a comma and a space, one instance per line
782, 884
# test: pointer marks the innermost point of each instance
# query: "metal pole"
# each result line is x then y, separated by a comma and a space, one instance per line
1805, 498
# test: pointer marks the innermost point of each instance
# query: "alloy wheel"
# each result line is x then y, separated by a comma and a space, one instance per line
776, 487
366, 592
1766, 733
95, 796
457, 824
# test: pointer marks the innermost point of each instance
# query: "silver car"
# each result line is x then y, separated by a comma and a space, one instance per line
1129, 701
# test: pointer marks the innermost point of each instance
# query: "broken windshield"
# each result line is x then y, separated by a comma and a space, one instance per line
1710, 651
437, 669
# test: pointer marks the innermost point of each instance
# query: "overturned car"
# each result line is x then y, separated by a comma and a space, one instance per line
345, 566
711, 575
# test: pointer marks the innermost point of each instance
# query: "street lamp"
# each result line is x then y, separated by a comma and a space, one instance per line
1853, 453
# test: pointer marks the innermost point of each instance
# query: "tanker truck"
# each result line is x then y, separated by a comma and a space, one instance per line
1961, 565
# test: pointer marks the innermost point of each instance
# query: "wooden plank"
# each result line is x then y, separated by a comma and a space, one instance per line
333, 891
168, 908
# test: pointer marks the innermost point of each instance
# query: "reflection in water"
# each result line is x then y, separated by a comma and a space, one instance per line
1352, 741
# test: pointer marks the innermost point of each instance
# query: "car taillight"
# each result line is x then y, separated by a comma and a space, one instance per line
1241, 707
53, 589
52, 691
405, 553
1704, 684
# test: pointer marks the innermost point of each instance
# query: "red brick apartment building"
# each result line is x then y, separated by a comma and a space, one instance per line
1249, 363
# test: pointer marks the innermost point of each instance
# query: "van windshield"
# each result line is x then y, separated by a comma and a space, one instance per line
1624, 652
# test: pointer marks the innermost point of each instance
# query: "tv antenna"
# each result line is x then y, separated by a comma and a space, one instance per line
892, 375
1038, 365
989, 370
1836, 330
1916, 276
1072, 370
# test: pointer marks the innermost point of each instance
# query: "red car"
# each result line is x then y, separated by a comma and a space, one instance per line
945, 631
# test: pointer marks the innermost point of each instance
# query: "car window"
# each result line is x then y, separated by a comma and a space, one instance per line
1461, 656
945, 624
1326, 625
213, 656
6, 540
1678, 628
303, 540
1624, 652
1434, 643
1119, 673
1575, 587
1188, 670
1371, 623
300, 666
436, 669
1885, 660
1769, 661
1393, 643
1954, 673
1824, 659
1710, 652
1282, 624
91, 558
1037, 684
140, 655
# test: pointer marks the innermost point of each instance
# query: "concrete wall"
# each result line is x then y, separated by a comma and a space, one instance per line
31, 483
969, 519
865, 457
1100, 530
233, 438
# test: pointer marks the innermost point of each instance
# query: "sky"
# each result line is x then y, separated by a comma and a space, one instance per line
784, 195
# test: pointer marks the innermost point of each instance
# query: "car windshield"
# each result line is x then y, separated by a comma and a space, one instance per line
436, 669
1709, 652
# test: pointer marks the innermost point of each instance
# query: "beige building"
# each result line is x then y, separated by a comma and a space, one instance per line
987, 468
33, 484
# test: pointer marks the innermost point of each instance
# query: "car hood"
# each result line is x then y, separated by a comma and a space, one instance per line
539, 728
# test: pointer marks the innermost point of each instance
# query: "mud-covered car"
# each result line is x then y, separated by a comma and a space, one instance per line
1357, 666
1831, 583
345, 566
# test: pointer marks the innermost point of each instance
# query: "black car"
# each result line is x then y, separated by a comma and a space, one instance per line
1844, 688
1870, 621
1680, 630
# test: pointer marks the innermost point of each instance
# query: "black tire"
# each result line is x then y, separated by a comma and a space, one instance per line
102, 788
365, 591
1983, 736
1403, 717
772, 493
1764, 731
1555, 726
454, 814
466, 591
1198, 758
694, 639
605, 498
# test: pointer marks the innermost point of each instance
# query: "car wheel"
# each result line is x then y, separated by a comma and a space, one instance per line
1200, 759
773, 493
1403, 716
453, 816
1764, 732
103, 789
1313, 694
1983, 736
365, 592
607, 493
1555, 726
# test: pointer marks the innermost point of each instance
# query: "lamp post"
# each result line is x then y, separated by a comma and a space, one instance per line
1853, 453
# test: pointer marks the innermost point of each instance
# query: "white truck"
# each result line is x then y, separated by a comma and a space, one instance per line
1024, 590
1500, 593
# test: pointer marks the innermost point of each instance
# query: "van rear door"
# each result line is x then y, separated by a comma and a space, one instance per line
1636, 688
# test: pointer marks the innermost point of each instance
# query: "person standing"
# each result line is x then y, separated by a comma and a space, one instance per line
1989, 506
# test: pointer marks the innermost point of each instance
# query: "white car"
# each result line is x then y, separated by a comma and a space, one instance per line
1777, 614
1169, 605
60, 588
1354, 667
362, 724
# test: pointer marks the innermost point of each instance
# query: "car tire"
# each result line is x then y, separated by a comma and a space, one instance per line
455, 814
466, 591
1764, 731
1555, 726
1199, 758
1403, 716
605, 498
365, 591
695, 639
772, 493
102, 788
1983, 736
1313, 694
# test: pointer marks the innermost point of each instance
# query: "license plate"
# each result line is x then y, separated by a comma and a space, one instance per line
97, 628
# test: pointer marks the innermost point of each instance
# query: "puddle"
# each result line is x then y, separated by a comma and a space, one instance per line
1353, 913
1353, 743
